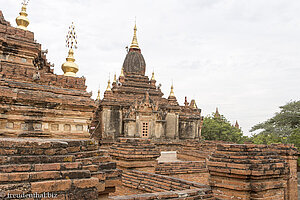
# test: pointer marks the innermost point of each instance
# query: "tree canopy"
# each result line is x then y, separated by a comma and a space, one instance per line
284, 127
217, 127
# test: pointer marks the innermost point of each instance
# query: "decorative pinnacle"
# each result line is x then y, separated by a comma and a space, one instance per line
236, 124
25, 2
108, 85
134, 43
98, 97
70, 68
193, 104
172, 91
115, 78
71, 39
22, 20
122, 73
217, 114
152, 78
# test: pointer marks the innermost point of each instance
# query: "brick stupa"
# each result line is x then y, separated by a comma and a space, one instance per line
35, 102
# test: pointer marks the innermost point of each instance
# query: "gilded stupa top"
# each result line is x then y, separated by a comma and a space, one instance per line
108, 88
98, 96
172, 91
153, 78
70, 68
22, 20
134, 43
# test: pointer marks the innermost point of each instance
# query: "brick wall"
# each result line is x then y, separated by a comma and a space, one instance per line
134, 153
73, 169
197, 150
289, 153
182, 167
248, 172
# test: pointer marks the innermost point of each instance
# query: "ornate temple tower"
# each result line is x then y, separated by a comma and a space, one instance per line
134, 106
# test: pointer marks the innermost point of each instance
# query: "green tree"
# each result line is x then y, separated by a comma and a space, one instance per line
284, 127
219, 128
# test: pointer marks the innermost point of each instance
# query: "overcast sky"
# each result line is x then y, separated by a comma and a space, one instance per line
242, 56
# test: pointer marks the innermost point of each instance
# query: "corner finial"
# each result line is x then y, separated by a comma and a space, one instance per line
115, 78
122, 73
22, 20
153, 78
98, 97
172, 91
70, 68
134, 43
108, 85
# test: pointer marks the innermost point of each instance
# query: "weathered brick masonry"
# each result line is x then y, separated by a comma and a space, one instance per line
289, 153
135, 153
183, 167
35, 102
197, 150
250, 172
165, 186
72, 169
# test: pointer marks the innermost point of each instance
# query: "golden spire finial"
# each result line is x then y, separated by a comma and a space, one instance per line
193, 104
115, 78
70, 68
98, 97
22, 20
153, 78
172, 91
108, 85
122, 73
134, 43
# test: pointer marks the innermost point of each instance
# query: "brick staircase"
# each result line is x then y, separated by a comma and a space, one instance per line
162, 187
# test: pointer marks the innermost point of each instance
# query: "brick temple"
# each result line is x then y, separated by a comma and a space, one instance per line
46, 148
135, 107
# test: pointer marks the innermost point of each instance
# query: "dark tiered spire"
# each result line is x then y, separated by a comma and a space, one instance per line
217, 114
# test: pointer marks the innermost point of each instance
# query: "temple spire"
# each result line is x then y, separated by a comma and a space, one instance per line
115, 78
22, 20
122, 73
237, 125
122, 77
172, 91
217, 114
153, 78
98, 97
134, 43
108, 85
70, 68
193, 104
